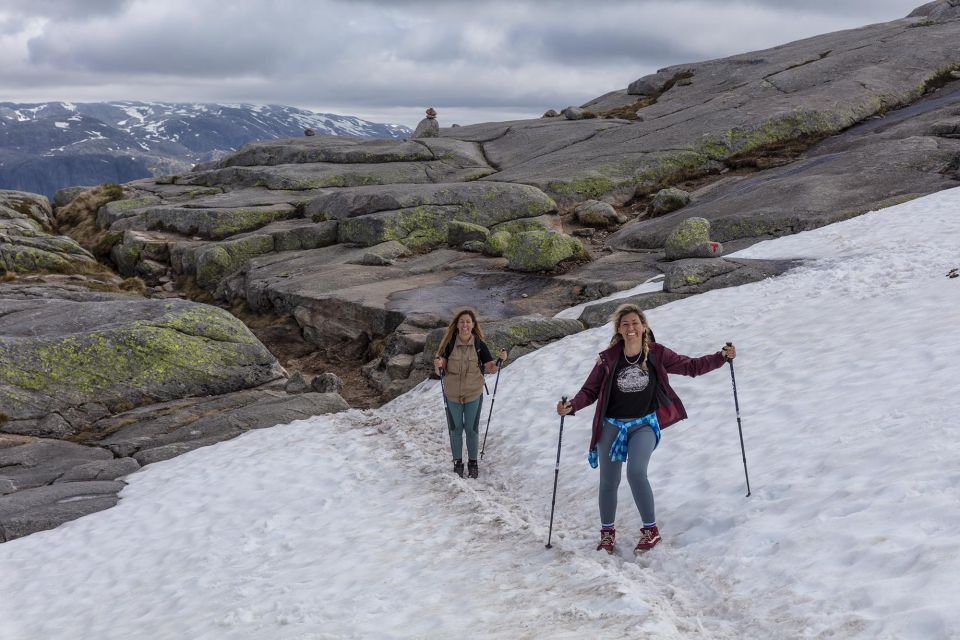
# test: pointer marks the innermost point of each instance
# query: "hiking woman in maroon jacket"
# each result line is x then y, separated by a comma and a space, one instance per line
635, 403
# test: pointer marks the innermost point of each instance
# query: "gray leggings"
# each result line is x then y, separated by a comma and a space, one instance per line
640, 444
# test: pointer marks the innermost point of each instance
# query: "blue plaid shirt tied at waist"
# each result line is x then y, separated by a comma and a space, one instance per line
618, 452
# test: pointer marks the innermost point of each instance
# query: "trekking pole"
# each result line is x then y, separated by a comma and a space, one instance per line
736, 404
443, 390
556, 474
492, 400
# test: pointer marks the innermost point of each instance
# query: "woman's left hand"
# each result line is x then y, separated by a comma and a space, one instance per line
729, 352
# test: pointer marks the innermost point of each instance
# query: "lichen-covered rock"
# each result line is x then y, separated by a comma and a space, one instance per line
295, 235
691, 239
214, 224
28, 206
459, 233
541, 250
595, 213
26, 246
497, 243
383, 254
216, 262
76, 355
416, 227
483, 203
115, 210
668, 200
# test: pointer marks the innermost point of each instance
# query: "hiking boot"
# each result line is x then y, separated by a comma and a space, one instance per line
473, 469
607, 539
458, 467
649, 538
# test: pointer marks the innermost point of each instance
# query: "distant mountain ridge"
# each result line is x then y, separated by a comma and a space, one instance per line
47, 146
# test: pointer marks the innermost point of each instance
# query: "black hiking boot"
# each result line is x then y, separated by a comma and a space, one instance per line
458, 467
473, 469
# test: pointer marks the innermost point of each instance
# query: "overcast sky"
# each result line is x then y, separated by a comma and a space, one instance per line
387, 60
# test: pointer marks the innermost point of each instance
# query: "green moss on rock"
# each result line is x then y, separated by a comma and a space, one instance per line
183, 348
541, 250
216, 262
497, 243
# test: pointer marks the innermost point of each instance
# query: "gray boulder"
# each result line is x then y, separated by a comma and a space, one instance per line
42, 462
541, 250
691, 239
700, 275
426, 128
668, 200
69, 357
595, 213
327, 383
383, 254
296, 384
27, 244
32, 510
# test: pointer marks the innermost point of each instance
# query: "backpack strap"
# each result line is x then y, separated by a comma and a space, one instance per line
478, 344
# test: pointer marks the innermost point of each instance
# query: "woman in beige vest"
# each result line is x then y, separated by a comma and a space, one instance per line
461, 361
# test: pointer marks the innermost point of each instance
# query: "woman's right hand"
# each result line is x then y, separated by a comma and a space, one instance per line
564, 408
439, 364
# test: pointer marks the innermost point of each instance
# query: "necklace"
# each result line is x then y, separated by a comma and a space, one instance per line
639, 355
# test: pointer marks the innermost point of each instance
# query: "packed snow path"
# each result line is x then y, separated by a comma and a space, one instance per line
353, 525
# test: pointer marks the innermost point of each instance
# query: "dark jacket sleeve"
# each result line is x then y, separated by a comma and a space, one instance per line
683, 365
483, 352
590, 390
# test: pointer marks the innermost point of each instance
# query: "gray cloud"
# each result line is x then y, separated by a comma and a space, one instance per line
59, 10
372, 56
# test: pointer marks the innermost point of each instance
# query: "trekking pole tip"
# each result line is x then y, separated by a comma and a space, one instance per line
549, 546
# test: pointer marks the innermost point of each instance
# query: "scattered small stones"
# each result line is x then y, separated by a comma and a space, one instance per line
953, 273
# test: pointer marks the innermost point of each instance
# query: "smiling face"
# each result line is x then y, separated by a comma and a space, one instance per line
631, 327
464, 326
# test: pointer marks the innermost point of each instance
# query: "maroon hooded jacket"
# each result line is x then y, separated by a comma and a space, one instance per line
670, 409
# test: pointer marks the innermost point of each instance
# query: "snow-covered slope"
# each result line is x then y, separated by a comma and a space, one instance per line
353, 526
50, 145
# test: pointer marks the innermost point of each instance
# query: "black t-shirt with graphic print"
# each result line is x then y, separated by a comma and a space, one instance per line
632, 394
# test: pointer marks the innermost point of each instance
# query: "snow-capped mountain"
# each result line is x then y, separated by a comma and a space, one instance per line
51, 145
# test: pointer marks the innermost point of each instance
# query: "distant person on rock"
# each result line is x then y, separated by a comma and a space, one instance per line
461, 361
428, 127
635, 403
